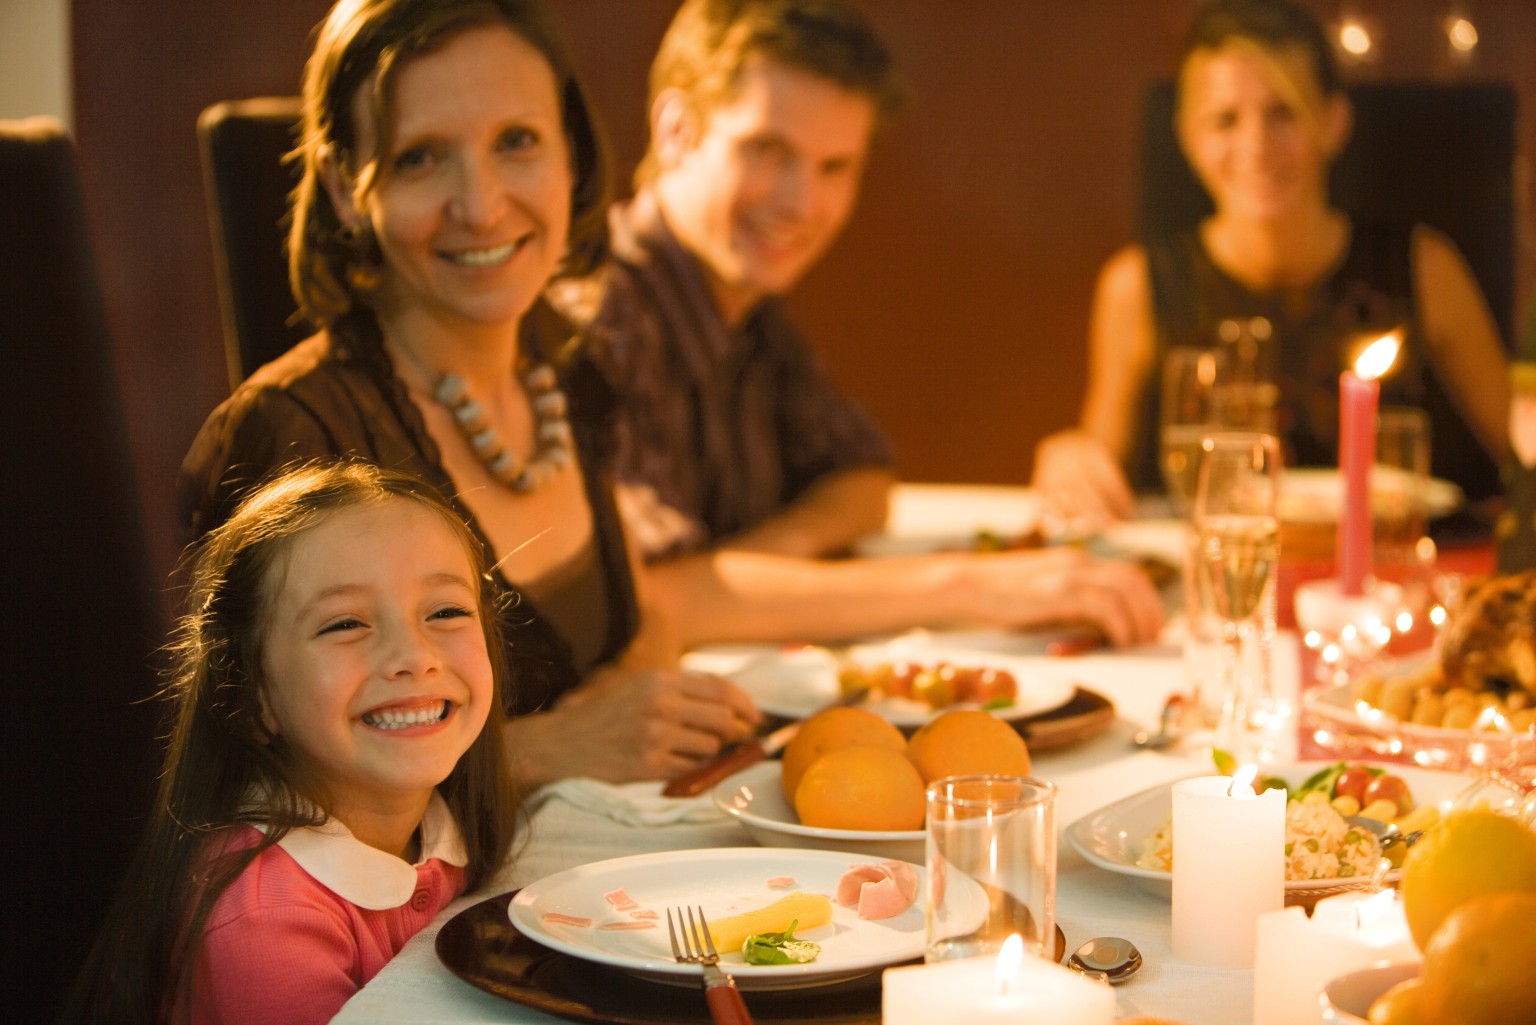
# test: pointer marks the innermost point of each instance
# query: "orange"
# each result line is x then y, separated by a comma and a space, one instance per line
1470, 852
861, 787
1477, 967
1403, 1004
967, 742
829, 730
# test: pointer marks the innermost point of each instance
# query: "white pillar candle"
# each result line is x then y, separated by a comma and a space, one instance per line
1228, 868
1008, 989
1297, 955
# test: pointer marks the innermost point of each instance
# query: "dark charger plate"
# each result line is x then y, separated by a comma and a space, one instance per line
481, 946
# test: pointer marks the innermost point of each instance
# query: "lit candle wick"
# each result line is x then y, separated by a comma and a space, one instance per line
1242, 782
1009, 960
1377, 358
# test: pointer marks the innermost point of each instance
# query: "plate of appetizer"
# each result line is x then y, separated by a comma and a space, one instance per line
755, 797
908, 681
1325, 853
860, 915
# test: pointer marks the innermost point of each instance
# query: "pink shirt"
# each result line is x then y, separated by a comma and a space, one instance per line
314, 918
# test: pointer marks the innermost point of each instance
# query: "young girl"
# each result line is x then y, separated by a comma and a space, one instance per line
330, 783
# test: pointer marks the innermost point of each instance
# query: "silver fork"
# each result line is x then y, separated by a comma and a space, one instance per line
697, 946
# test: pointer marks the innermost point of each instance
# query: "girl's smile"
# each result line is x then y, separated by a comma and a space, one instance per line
376, 676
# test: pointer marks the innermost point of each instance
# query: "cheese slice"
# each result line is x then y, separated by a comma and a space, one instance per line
809, 909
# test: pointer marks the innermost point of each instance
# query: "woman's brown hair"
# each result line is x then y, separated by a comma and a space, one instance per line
362, 44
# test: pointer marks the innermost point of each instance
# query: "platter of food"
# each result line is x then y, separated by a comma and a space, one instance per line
613, 913
1472, 702
1315, 494
757, 801
1327, 855
908, 682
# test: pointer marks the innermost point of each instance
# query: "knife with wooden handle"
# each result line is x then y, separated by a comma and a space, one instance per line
749, 752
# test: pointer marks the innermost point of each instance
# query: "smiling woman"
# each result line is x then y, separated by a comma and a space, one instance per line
1290, 283
450, 170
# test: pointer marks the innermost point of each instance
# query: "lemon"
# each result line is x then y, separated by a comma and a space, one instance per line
1469, 853
1477, 966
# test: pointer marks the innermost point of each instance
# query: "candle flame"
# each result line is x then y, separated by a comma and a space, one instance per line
1009, 960
1373, 908
1377, 358
1242, 780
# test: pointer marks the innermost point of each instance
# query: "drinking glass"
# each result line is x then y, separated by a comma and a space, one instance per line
1190, 378
1236, 547
991, 853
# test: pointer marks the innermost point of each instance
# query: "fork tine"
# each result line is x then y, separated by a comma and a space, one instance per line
696, 945
672, 935
707, 941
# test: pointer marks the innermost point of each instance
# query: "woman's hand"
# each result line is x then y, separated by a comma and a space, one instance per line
1062, 585
623, 725
1081, 481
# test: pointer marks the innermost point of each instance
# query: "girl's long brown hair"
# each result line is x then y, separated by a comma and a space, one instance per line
218, 753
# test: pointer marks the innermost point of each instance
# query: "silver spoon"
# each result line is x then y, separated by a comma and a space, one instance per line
1170, 725
1116, 959
1387, 833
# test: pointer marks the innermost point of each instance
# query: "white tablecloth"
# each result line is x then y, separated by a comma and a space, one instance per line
416, 988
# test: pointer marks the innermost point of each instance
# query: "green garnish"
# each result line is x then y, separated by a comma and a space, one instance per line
779, 947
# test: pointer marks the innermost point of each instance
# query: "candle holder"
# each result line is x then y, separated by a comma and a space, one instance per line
1346, 631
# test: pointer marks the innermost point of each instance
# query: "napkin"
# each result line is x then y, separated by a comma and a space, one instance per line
633, 804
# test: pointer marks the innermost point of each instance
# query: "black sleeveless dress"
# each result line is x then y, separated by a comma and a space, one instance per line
1314, 332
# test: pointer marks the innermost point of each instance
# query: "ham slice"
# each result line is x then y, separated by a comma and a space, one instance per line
620, 900
627, 924
556, 918
781, 882
878, 889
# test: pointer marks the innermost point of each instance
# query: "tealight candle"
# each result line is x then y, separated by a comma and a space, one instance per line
1228, 867
1297, 955
1009, 989
1359, 392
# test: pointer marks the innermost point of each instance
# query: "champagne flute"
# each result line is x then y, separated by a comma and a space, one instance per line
1191, 375
1236, 525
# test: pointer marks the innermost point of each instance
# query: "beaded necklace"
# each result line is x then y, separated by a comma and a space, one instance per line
551, 428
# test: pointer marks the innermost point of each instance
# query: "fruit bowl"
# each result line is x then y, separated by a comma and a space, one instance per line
1347, 1000
756, 799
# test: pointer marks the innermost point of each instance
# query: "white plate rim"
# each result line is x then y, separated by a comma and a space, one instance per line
691, 872
1084, 832
1034, 674
1441, 496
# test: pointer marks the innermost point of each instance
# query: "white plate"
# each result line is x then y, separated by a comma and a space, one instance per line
1310, 494
794, 682
1111, 837
724, 881
757, 800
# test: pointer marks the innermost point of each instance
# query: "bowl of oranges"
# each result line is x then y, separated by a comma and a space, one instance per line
851, 781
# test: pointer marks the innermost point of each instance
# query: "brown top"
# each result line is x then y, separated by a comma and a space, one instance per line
332, 397
717, 429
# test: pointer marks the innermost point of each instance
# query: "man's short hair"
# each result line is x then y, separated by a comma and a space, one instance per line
709, 41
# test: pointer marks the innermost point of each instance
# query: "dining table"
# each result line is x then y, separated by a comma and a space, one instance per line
566, 827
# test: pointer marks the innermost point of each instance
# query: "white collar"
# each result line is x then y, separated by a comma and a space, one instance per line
367, 876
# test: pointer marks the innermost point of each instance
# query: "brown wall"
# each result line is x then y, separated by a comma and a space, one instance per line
956, 303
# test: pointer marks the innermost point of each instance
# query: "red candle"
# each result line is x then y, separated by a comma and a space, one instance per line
1359, 393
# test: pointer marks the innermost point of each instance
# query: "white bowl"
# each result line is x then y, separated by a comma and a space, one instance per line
1111, 837
755, 797
1348, 999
